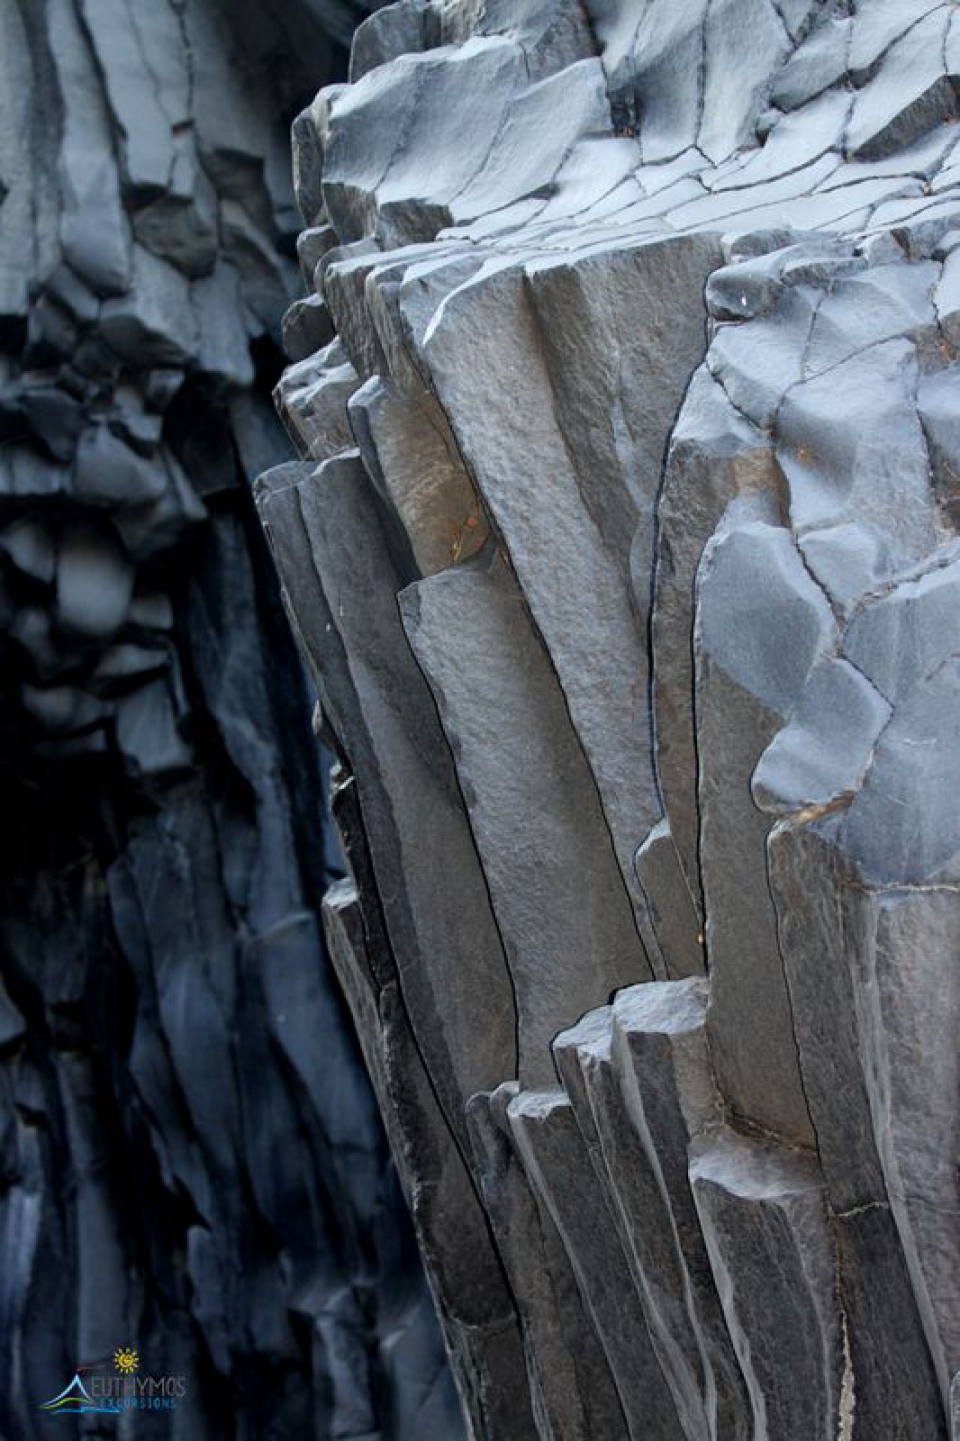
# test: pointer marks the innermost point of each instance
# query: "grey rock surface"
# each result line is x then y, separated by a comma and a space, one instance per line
765, 1226
503, 713
571, 1386
191, 1157
609, 1110
623, 550
558, 1167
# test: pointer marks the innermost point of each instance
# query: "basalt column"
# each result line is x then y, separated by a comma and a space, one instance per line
622, 547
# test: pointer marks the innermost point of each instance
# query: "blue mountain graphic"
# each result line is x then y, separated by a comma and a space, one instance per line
76, 1397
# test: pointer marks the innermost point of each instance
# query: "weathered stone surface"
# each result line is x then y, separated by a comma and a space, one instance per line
648, 315
765, 1227
662, 1066
910, 93
557, 1165
482, 329
420, 477
914, 758
715, 456
306, 327
606, 1100
866, 482
378, 705
810, 765
914, 1128
463, 1269
313, 395
535, 815
750, 674
571, 1387
906, 634
673, 913
623, 302
826, 925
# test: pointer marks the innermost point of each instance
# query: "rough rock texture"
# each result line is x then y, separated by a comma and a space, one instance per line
623, 549
191, 1160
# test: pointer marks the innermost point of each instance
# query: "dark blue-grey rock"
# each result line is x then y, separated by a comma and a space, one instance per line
306, 327
191, 1157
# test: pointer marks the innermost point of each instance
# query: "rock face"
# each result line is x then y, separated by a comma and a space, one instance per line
191, 1158
623, 549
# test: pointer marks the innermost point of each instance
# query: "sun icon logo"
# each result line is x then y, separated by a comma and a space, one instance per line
127, 1360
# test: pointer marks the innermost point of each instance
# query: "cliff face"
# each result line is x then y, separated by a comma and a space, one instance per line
191, 1162
623, 548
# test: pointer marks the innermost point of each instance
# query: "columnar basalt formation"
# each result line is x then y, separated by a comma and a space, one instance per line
623, 548
191, 1161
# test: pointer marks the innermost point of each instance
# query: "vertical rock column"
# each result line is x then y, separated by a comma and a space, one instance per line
621, 547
